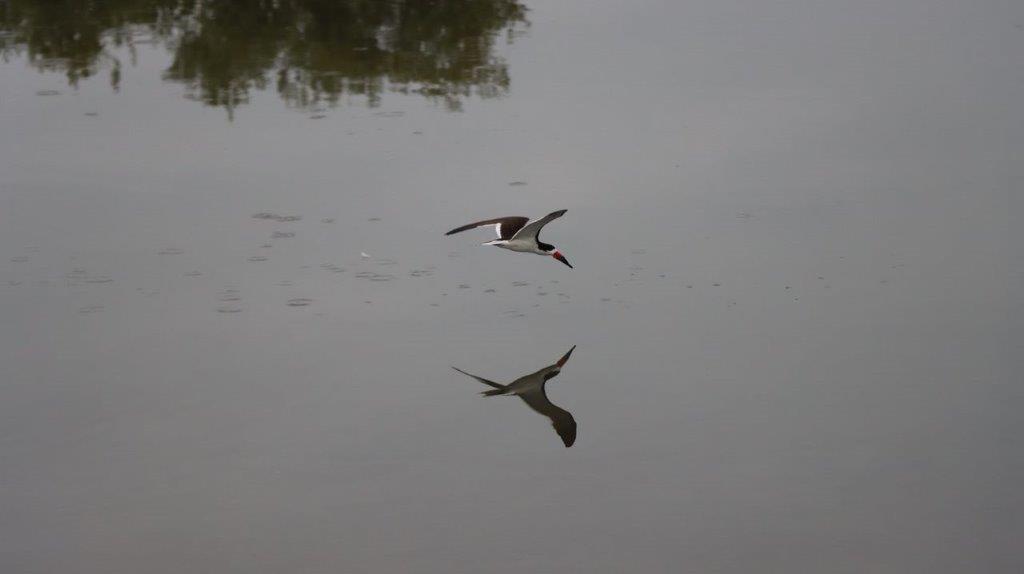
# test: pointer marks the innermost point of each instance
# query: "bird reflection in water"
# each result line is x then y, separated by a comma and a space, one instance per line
530, 388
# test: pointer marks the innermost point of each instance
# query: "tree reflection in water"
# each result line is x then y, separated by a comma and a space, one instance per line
313, 51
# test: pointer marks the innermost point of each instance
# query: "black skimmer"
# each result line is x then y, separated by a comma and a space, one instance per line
520, 234
530, 388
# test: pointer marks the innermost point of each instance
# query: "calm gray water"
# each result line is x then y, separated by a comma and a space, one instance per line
796, 301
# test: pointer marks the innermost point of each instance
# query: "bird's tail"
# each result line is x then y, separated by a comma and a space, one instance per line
494, 392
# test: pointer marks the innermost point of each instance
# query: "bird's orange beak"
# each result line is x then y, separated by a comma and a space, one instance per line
561, 258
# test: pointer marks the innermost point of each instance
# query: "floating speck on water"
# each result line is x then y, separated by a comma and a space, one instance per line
328, 220
48, 93
542, 293
421, 273
716, 284
299, 302
257, 259
13, 283
417, 133
282, 235
373, 219
788, 287
689, 286
365, 255
92, 114
605, 299
520, 283
171, 251
102, 279
317, 117
285, 283
638, 251
266, 246
435, 304
820, 278
463, 286
193, 274
490, 290
517, 183
662, 275
229, 309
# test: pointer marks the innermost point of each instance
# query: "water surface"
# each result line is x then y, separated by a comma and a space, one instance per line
228, 313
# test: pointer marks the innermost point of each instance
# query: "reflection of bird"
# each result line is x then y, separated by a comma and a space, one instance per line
530, 388
520, 234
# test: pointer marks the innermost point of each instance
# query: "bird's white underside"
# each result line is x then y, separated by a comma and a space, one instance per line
518, 245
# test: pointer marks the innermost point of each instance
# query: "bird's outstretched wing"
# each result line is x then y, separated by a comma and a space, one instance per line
482, 380
532, 229
505, 226
561, 419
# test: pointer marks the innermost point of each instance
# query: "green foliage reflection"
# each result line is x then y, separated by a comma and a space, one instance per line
311, 51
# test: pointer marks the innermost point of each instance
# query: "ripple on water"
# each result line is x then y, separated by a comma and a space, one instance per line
282, 235
229, 295
299, 302
371, 276
276, 217
20, 259
257, 258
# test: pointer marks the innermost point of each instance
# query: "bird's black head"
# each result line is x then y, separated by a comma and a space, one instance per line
550, 250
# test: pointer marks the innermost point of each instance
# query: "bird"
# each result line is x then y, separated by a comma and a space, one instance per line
518, 233
530, 388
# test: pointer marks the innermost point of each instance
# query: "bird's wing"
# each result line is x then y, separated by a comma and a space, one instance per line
505, 226
561, 419
532, 229
481, 379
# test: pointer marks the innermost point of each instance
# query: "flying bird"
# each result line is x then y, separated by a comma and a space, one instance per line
530, 388
520, 234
